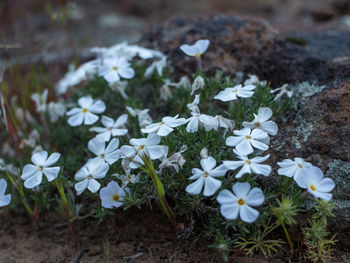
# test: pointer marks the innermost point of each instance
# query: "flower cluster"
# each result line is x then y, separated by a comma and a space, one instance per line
208, 141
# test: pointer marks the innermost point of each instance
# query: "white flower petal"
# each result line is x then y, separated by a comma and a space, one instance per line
263, 169
208, 163
229, 211
96, 146
76, 120
244, 147
33, 181
248, 214
264, 114
211, 185
85, 102
98, 107
255, 197
28, 171
241, 189
245, 170
226, 197
233, 141
51, 173
53, 158
81, 186
39, 158
259, 145
93, 185
127, 73
196, 187
90, 118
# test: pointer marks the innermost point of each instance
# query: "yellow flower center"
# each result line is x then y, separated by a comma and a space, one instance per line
102, 155
115, 68
89, 177
85, 110
141, 147
300, 165
205, 174
241, 201
115, 197
247, 162
313, 188
248, 137
197, 55
257, 125
40, 168
234, 90
110, 128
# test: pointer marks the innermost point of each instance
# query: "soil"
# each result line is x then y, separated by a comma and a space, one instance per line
128, 236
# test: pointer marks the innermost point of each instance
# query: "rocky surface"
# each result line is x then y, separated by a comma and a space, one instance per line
252, 45
319, 128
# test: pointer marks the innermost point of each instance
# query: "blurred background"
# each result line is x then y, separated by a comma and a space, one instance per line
58, 31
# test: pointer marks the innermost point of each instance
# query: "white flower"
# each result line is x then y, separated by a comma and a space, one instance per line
165, 92
225, 123
86, 113
249, 165
176, 160
164, 127
204, 153
197, 49
229, 94
111, 128
33, 174
127, 177
198, 84
246, 139
143, 117
120, 86
291, 168
282, 90
183, 82
206, 177
312, 179
158, 65
56, 110
201, 120
40, 101
88, 174
112, 195
109, 154
32, 140
4, 199
193, 106
75, 76
113, 69
261, 121
239, 202
253, 79
143, 146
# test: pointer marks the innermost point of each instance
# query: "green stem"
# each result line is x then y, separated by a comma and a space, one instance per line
149, 169
60, 188
286, 233
21, 194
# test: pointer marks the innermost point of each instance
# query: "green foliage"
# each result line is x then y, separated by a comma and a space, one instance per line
283, 200
259, 241
318, 241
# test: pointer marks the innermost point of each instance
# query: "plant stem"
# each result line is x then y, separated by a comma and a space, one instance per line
72, 228
21, 194
149, 169
286, 233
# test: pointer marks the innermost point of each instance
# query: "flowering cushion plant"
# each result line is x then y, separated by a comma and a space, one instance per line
192, 146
